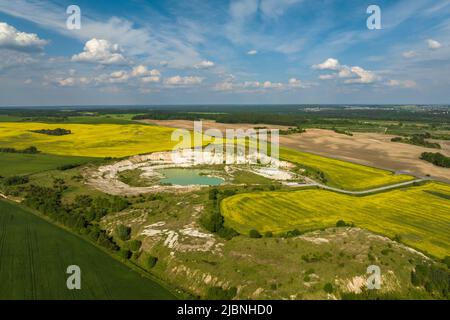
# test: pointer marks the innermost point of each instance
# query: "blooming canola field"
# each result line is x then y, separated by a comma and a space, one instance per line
419, 216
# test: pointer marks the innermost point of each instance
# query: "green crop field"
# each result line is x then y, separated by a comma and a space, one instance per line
342, 174
419, 215
35, 254
23, 164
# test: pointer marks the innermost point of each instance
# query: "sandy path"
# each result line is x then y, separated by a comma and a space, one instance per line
363, 192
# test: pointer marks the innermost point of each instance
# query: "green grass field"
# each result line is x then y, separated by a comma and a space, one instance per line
419, 215
342, 174
12, 164
35, 254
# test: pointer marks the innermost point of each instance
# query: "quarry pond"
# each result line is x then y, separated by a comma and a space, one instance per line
187, 177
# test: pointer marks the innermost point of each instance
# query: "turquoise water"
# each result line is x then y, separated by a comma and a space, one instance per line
186, 177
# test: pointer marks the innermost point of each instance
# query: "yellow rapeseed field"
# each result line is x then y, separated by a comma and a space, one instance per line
91, 140
419, 215
342, 174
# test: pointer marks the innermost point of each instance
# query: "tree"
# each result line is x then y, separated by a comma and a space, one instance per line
151, 261
123, 232
213, 194
254, 234
328, 288
135, 245
218, 293
342, 223
30, 150
125, 254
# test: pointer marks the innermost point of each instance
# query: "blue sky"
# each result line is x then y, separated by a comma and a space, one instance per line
240, 51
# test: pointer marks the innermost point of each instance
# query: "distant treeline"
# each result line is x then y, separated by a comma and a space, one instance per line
53, 132
437, 159
29, 150
290, 115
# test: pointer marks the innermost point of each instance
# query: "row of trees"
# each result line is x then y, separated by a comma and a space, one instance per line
212, 220
29, 150
418, 140
53, 132
437, 159
435, 279
81, 215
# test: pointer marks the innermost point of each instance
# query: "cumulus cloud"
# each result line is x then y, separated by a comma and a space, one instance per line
67, 82
296, 83
363, 76
150, 79
205, 64
119, 76
142, 71
146, 75
11, 38
352, 74
139, 73
433, 44
329, 64
100, 51
183, 81
252, 52
250, 86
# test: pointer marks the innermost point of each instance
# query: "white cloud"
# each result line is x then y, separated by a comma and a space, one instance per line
183, 81
119, 76
100, 51
296, 83
224, 86
272, 85
353, 74
28, 81
252, 52
142, 71
151, 79
258, 86
327, 76
410, 54
345, 72
433, 44
363, 76
68, 82
205, 64
11, 38
407, 84
329, 64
